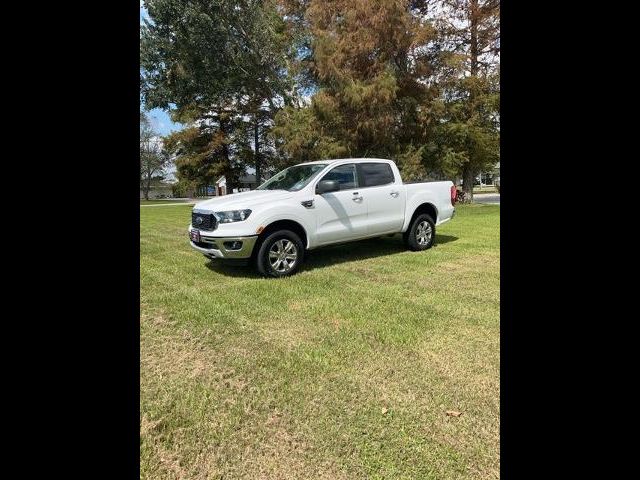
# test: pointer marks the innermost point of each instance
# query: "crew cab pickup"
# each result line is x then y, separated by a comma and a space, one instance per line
316, 204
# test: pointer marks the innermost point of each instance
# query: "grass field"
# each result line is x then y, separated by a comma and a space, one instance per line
162, 201
343, 371
490, 189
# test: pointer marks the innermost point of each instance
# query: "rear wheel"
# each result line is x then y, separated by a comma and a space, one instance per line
280, 254
421, 233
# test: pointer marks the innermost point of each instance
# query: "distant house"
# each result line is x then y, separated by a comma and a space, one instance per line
219, 187
245, 183
487, 177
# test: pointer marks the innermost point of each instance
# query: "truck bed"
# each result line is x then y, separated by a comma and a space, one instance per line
437, 192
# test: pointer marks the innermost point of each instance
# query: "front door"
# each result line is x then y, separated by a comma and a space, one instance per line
341, 215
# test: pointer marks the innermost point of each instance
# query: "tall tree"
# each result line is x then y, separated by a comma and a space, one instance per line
467, 138
369, 61
416, 80
208, 150
261, 151
212, 63
153, 158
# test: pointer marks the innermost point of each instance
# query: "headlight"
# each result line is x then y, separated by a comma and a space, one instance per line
232, 216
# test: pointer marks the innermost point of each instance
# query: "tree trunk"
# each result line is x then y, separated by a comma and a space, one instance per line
147, 188
468, 173
468, 178
256, 146
228, 171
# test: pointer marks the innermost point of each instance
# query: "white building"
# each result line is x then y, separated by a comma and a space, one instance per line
246, 183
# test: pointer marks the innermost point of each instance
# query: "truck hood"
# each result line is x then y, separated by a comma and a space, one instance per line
239, 201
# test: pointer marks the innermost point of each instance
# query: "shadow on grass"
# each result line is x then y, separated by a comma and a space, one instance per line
245, 271
333, 255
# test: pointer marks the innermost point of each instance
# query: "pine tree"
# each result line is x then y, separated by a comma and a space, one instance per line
467, 137
215, 64
368, 60
212, 147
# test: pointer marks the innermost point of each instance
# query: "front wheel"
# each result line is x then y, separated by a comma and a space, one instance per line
280, 254
421, 233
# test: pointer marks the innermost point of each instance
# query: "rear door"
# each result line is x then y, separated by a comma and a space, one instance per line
384, 197
341, 215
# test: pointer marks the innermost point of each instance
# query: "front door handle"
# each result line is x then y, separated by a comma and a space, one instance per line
357, 199
394, 194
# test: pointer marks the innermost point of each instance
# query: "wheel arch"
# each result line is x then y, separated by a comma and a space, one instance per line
284, 224
425, 207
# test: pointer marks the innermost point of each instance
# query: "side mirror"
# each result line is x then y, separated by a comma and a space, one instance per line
326, 186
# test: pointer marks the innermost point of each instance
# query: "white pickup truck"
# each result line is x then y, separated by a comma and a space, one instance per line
315, 204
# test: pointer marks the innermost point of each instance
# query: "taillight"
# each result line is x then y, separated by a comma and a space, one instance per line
454, 195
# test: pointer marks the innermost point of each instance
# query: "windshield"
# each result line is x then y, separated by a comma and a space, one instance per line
293, 178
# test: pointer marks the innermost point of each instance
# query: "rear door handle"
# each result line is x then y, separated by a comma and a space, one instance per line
394, 194
356, 197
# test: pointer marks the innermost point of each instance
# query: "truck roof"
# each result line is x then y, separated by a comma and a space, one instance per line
354, 160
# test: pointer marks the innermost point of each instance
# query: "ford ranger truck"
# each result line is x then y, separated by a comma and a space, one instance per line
320, 203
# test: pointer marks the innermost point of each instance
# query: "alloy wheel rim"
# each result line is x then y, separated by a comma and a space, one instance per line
283, 255
424, 233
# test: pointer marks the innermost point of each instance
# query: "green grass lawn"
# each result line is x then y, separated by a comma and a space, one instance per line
343, 371
485, 190
161, 201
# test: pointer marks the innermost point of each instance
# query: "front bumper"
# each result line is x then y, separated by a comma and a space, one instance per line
222, 247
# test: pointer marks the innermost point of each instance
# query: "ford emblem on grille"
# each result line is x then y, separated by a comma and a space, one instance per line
199, 220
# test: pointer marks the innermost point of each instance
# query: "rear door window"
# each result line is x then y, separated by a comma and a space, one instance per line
375, 174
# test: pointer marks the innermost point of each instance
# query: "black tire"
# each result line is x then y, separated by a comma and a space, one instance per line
411, 238
270, 245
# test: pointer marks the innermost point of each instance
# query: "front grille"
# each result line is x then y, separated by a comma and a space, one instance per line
208, 221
